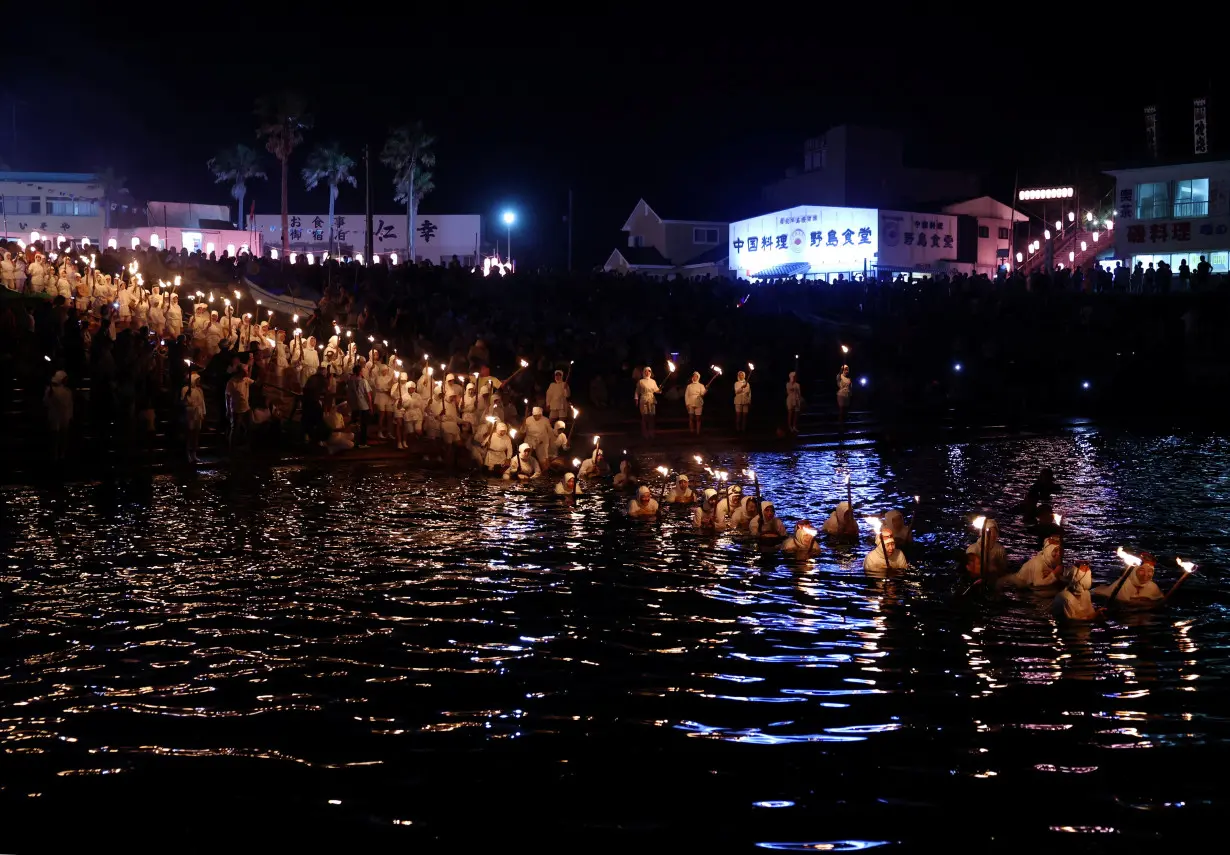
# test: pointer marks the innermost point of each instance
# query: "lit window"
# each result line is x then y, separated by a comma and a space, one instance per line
209, 249
136, 241
1153, 200
1191, 197
230, 250
153, 239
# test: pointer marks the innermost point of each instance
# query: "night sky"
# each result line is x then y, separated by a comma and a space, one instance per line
694, 118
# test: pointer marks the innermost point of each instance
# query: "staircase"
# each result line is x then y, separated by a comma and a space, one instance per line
1069, 242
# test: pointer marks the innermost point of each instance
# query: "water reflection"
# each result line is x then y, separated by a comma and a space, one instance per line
404, 637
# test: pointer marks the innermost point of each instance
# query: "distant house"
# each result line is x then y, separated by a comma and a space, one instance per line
995, 224
658, 247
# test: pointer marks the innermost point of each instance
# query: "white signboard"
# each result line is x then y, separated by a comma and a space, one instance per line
910, 241
806, 240
436, 235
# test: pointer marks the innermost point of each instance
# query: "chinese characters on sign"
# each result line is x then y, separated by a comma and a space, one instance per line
1181, 232
427, 230
848, 237
807, 240
1200, 128
1127, 198
922, 239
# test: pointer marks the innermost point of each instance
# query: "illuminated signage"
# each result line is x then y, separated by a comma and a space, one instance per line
806, 240
1045, 193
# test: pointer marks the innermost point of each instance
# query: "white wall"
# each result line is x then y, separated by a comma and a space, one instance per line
18, 225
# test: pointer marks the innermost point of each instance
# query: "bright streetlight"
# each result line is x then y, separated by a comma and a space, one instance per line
509, 219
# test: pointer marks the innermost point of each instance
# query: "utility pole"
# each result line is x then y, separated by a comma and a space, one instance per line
569, 229
367, 181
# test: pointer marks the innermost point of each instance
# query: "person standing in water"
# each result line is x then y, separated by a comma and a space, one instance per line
843, 393
647, 402
794, 402
743, 401
694, 400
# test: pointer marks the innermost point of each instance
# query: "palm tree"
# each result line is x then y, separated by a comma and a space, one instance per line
282, 122
238, 165
329, 165
408, 153
112, 185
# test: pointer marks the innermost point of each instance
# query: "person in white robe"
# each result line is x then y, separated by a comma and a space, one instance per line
704, 517
997, 559
537, 431
647, 392
694, 402
841, 523
884, 557
58, 401
558, 395
192, 399
802, 543
175, 317
1074, 603
568, 485
766, 524
681, 493
524, 466
743, 401
1138, 589
1041, 571
644, 504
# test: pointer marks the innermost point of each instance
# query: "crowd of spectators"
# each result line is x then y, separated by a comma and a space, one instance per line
918, 347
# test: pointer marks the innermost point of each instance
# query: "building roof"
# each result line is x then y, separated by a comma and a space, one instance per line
986, 206
642, 207
50, 177
713, 255
643, 256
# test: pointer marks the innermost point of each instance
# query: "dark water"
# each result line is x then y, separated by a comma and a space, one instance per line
393, 659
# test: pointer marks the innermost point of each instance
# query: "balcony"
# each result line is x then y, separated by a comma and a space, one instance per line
1165, 209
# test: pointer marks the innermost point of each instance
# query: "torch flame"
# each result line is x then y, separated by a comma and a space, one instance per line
491, 419
875, 524
716, 369
751, 367
576, 461
807, 531
236, 293
749, 473
671, 366
1058, 519
845, 349
1128, 558
298, 331
430, 371
663, 471
513, 433
596, 438
575, 412
696, 457
524, 364
1188, 566
979, 522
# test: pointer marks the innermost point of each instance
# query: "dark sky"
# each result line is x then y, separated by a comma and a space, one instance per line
695, 118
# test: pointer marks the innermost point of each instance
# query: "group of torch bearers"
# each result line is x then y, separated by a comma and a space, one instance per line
726, 505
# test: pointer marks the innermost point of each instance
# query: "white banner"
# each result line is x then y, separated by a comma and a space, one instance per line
437, 236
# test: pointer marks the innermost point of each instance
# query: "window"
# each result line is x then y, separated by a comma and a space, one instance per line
704, 235
72, 208
1191, 197
637, 240
26, 204
984, 232
1003, 233
1153, 200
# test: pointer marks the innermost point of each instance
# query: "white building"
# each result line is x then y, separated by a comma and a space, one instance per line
54, 204
438, 237
994, 231
818, 241
1173, 213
